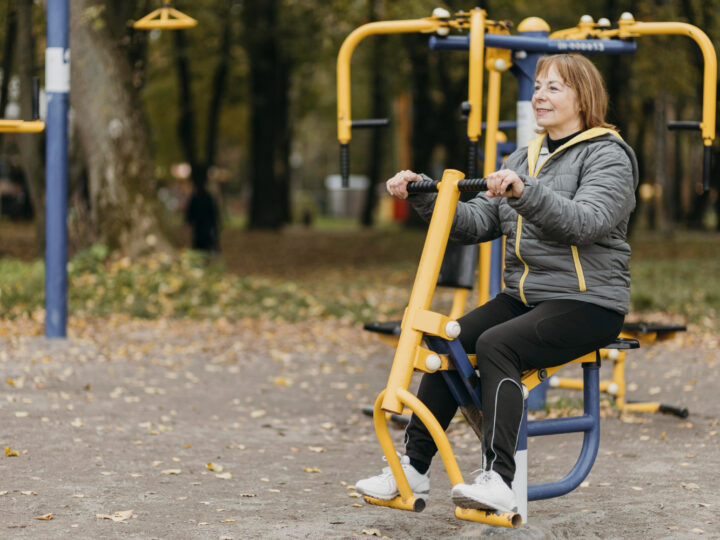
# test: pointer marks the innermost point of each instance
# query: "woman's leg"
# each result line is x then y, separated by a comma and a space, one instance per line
433, 390
552, 333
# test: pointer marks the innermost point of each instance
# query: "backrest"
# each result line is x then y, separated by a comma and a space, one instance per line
458, 266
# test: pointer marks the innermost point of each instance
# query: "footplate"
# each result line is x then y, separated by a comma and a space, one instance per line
505, 519
414, 504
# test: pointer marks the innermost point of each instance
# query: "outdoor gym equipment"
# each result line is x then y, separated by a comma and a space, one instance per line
445, 354
491, 47
165, 18
645, 333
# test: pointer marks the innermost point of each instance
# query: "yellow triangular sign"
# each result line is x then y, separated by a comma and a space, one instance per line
165, 18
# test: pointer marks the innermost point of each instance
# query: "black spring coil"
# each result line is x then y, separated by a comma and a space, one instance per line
345, 164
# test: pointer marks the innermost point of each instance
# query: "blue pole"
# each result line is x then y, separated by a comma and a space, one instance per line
57, 86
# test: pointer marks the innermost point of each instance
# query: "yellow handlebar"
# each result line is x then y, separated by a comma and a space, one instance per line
20, 126
429, 24
631, 28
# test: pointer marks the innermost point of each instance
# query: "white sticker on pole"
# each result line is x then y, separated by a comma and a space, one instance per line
57, 70
525, 123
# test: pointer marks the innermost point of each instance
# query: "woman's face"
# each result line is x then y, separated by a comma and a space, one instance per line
555, 105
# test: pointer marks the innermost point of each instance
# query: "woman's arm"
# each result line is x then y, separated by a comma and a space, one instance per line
605, 197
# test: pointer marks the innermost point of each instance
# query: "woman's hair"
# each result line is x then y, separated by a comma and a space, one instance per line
582, 76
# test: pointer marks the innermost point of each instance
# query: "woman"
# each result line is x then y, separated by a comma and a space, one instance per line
563, 203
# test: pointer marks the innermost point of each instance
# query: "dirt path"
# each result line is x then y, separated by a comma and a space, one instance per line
129, 415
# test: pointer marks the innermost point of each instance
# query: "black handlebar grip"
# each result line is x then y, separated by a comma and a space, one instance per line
423, 186
707, 167
678, 125
680, 412
35, 98
472, 159
431, 186
474, 184
345, 164
370, 123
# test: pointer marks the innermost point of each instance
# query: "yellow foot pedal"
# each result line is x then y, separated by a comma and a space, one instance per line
506, 519
414, 504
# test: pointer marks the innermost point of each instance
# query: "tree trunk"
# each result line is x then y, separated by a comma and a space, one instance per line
30, 144
378, 110
218, 87
662, 184
202, 210
186, 128
269, 129
423, 138
124, 208
7, 59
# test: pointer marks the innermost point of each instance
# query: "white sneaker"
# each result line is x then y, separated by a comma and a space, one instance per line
487, 492
384, 487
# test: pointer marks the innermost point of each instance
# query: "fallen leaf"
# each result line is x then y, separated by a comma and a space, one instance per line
224, 476
371, 532
45, 517
9, 452
311, 470
214, 467
171, 471
120, 516
282, 381
259, 413
28, 492
318, 449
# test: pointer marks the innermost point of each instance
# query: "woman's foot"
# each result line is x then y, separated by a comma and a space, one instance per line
383, 486
488, 492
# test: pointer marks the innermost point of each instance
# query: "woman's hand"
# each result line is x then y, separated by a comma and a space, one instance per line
397, 185
499, 181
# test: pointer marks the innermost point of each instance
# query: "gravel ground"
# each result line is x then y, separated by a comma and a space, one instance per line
219, 430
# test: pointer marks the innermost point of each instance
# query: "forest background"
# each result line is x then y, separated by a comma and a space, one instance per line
246, 100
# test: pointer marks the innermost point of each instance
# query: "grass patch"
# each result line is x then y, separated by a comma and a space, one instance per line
353, 275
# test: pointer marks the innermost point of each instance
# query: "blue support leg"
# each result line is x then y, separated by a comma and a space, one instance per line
589, 423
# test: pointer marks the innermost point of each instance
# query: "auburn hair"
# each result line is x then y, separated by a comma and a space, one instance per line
583, 77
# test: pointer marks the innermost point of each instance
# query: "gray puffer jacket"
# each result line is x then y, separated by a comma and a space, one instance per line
566, 234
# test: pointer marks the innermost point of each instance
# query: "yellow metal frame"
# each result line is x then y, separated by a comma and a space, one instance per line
475, 20
21, 126
629, 28
617, 386
411, 356
165, 18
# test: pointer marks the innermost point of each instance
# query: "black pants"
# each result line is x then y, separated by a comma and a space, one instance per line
508, 338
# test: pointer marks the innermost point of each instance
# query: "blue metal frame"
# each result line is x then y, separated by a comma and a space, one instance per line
462, 387
530, 43
589, 424
56, 173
